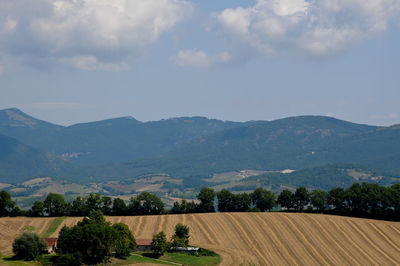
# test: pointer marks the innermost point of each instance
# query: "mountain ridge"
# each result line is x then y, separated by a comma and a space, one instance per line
197, 147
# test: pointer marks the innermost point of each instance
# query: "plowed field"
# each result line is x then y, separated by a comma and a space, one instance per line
262, 238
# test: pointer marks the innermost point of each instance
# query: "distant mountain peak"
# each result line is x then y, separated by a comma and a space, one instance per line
15, 118
19, 118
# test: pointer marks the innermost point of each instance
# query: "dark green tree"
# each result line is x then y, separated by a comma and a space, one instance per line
119, 207
263, 199
78, 207
354, 198
206, 197
286, 199
159, 243
54, 205
181, 236
241, 202
394, 197
124, 240
145, 204
106, 205
225, 200
95, 239
337, 198
319, 199
93, 202
301, 198
28, 246
6, 204
37, 209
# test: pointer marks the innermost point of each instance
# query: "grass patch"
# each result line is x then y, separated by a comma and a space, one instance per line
10, 260
53, 226
138, 258
29, 228
187, 259
171, 258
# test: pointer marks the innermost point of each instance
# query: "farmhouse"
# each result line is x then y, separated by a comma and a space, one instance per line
143, 244
51, 244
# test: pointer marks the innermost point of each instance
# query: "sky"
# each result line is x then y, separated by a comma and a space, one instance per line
73, 61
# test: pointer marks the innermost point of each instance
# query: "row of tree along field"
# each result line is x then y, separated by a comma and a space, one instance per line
362, 200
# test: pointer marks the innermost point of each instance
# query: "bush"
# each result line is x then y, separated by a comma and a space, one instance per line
206, 252
75, 259
28, 246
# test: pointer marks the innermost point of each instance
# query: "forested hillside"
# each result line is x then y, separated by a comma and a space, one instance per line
19, 162
194, 148
106, 141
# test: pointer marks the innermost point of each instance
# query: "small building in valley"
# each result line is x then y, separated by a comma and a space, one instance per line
51, 244
143, 244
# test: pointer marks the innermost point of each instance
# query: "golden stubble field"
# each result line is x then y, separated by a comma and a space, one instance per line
260, 238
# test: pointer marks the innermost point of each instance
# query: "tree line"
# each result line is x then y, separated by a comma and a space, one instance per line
362, 200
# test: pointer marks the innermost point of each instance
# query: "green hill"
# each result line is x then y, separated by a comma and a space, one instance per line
19, 162
107, 141
192, 148
295, 143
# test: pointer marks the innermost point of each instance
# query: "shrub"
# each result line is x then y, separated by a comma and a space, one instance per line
29, 246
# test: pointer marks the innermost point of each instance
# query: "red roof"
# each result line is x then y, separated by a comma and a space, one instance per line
143, 242
50, 241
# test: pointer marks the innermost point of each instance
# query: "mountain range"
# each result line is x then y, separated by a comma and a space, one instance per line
191, 148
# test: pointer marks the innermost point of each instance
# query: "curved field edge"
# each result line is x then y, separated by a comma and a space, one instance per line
259, 238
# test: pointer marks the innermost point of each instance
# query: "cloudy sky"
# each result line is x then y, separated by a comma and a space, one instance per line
70, 61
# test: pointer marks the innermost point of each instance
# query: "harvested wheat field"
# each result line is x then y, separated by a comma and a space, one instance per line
269, 238
11, 227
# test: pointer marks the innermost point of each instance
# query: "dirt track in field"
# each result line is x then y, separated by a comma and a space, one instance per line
264, 238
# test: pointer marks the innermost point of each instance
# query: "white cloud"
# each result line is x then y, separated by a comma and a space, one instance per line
390, 116
317, 27
10, 24
91, 63
198, 58
90, 34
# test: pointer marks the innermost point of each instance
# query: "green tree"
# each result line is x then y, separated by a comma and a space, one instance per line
37, 209
55, 205
6, 204
78, 207
241, 202
119, 207
206, 197
354, 198
225, 200
394, 197
286, 199
181, 236
263, 199
159, 243
319, 199
93, 202
124, 240
301, 198
29, 246
94, 238
106, 205
337, 198
146, 204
